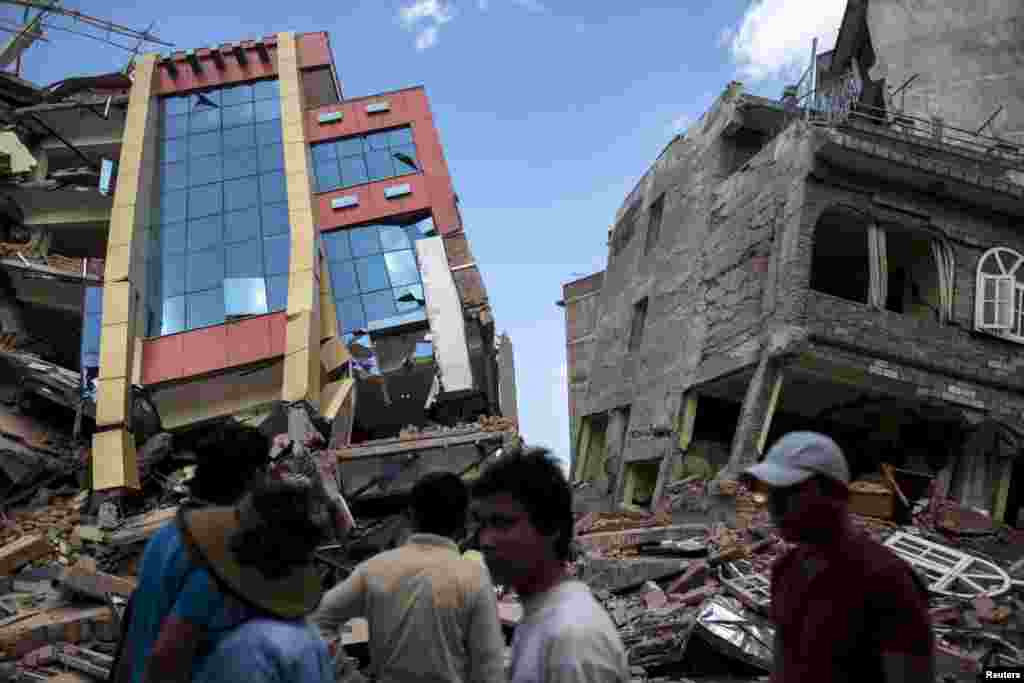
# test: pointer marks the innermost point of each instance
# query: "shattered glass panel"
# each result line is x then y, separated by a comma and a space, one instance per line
238, 115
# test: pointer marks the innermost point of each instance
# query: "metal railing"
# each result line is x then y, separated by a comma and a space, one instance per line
838, 105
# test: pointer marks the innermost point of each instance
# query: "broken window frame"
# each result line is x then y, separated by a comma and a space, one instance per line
657, 213
1007, 298
946, 568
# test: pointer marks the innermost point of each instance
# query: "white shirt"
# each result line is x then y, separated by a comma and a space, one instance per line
567, 637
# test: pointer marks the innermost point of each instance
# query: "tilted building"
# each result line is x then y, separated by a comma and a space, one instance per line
847, 259
266, 249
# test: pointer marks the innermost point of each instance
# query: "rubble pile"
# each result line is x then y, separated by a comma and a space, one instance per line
705, 612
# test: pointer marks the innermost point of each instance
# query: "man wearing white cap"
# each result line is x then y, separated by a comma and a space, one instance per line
845, 607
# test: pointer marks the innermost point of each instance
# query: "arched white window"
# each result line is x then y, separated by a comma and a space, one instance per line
999, 295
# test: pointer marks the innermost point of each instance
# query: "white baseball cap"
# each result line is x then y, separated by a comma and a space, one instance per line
797, 457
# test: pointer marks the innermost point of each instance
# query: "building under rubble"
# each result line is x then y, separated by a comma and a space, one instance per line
221, 234
847, 258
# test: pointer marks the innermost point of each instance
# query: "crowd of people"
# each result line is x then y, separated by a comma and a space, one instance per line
229, 591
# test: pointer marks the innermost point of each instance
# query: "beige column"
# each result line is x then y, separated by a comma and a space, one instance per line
303, 333
113, 452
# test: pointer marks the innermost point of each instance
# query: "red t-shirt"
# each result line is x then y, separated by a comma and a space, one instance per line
836, 613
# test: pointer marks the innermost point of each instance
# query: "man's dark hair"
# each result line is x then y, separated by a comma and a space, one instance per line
229, 458
290, 525
439, 501
535, 479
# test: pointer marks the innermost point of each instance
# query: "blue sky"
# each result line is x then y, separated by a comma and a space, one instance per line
549, 112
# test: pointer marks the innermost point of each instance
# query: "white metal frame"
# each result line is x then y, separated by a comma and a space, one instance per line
950, 572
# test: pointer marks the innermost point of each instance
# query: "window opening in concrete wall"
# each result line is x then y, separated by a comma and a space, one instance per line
654, 224
222, 214
999, 294
636, 332
713, 431
593, 448
840, 264
641, 479
622, 233
913, 278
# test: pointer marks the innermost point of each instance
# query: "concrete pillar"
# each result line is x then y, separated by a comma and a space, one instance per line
581, 463
113, 452
303, 331
755, 417
618, 423
507, 378
683, 409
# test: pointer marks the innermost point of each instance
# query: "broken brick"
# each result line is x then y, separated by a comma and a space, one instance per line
655, 599
22, 551
41, 657
695, 597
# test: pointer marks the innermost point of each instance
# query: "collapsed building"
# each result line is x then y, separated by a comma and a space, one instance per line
845, 259
219, 234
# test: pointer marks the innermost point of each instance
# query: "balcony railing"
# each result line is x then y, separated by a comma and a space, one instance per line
837, 105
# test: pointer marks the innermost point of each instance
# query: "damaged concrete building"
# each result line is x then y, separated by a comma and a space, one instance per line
247, 244
847, 258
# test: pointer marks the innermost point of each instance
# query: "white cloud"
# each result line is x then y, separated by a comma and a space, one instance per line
774, 37
426, 17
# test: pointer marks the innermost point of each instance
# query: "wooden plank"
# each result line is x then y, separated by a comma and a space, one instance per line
96, 584
28, 634
21, 552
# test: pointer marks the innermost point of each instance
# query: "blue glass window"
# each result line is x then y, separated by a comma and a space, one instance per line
173, 238
175, 126
336, 243
277, 293
272, 158
93, 300
173, 150
379, 305
361, 159
364, 240
204, 170
353, 171
328, 177
393, 237
245, 296
379, 164
204, 144
238, 115
372, 273
174, 176
203, 120
402, 268
276, 251
205, 308
172, 206
244, 259
239, 163
265, 89
204, 201
275, 219
350, 314
237, 138
211, 241
273, 188
174, 106
241, 193
409, 298
236, 94
268, 132
242, 226
205, 269
173, 315
343, 279
206, 232
267, 110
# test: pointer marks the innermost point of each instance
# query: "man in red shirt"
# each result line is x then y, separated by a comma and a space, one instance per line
845, 607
